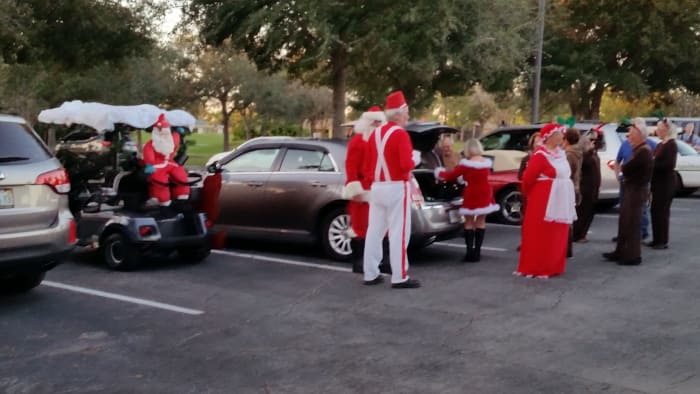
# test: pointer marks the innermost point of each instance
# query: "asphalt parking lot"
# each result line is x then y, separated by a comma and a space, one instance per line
249, 320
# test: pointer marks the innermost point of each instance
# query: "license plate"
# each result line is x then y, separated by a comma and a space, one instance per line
7, 200
454, 216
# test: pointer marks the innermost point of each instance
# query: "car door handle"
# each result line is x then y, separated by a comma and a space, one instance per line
254, 184
318, 184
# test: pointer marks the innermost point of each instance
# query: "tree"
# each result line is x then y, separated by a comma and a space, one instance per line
628, 46
420, 47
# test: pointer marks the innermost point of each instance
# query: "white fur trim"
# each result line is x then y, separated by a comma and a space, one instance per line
417, 158
487, 163
480, 211
351, 233
461, 181
352, 189
560, 129
374, 116
437, 172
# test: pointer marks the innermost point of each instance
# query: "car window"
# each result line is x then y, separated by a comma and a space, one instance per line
495, 141
20, 145
259, 160
79, 135
327, 163
685, 149
518, 141
296, 160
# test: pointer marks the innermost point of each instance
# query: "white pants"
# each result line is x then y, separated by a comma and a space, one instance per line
389, 209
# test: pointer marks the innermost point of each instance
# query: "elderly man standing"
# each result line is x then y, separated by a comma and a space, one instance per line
637, 175
389, 164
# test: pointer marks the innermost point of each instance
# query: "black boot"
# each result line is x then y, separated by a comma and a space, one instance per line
469, 242
358, 251
478, 240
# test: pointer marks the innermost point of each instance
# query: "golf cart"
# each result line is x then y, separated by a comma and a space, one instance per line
109, 187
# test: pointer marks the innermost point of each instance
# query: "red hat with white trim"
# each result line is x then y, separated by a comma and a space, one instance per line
161, 123
375, 113
395, 101
550, 128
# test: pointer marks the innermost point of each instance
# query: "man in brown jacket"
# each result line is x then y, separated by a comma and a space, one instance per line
637, 174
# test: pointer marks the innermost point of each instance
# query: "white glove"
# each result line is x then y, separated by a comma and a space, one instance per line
417, 158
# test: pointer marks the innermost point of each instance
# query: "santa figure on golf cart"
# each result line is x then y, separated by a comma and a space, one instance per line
162, 170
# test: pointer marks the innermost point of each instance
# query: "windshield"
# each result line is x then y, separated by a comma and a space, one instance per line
685, 149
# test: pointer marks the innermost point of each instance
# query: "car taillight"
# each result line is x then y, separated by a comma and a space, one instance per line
57, 179
416, 194
72, 233
611, 164
208, 223
146, 231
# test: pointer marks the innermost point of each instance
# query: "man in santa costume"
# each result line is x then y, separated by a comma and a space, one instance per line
357, 182
388, 166
158, 157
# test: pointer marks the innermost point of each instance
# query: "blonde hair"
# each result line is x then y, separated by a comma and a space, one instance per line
473, 148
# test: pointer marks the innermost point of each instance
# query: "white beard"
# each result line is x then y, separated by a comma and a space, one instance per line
163, 142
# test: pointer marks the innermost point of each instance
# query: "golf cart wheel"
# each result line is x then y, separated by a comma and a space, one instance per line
119, 254
334, 235
194, 255
21, 283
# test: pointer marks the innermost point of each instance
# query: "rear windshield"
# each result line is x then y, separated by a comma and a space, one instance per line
19, 145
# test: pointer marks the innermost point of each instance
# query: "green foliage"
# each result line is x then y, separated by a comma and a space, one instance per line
629, 46
421, 47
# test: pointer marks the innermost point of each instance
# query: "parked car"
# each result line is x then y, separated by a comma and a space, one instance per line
687, 168
290, 188
503, 142
37, 229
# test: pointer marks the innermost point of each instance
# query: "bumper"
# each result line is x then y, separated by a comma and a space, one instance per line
37, 250
435, 222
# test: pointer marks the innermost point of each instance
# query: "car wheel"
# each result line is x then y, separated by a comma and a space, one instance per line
682, 191
334, 235
21, 283
194, 255
511, 202
119, 254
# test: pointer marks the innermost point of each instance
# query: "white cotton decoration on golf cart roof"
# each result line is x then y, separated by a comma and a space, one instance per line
104, 116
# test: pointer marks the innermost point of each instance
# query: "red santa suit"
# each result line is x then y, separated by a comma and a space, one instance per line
550, 210
478, 194
357, 182
389, 164
158, 153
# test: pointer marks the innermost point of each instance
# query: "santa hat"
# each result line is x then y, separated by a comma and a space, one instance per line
161, 123
550, 128
374, 114
395, 101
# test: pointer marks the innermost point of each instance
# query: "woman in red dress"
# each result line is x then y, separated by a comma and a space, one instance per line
477, 196
550, 210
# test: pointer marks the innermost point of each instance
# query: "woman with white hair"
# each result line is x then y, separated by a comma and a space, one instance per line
478, 198
663, 183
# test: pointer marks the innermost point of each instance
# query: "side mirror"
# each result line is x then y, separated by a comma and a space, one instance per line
214, 167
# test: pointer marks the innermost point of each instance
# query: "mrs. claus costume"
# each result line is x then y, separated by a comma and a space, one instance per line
477, 199
551, 209
158, 156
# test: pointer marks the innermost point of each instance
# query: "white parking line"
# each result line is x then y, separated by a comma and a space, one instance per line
282, 261
119, 297
492, 248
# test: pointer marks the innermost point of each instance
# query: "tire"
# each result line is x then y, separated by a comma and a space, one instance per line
334, 235
21, 283
682, 191
511, 202
119, 254
194, 255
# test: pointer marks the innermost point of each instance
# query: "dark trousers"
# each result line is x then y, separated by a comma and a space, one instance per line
584, 212
661, 199
628, 235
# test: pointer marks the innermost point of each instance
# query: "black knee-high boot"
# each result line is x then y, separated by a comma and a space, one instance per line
469, 242
478, 240
358, 250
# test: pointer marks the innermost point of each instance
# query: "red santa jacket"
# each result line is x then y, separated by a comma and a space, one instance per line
157, 159
356, 181
398, 154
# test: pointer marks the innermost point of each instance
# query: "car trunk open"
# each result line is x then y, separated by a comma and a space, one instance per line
424, 136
